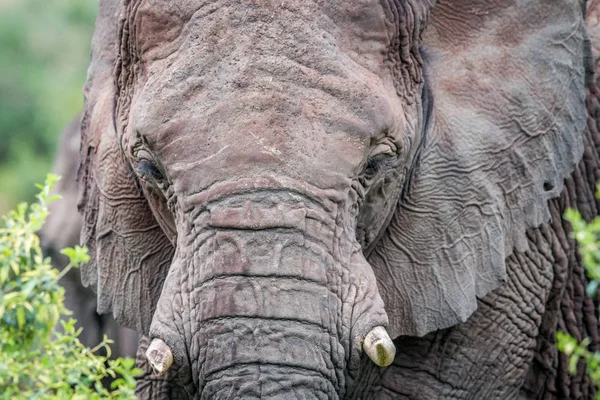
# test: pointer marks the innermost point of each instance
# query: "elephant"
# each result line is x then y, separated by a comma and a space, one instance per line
62, 230
326, 199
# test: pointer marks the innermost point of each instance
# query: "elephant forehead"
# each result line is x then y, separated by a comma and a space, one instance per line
253, 89
364, 30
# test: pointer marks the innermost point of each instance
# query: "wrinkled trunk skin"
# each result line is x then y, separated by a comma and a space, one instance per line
265, 299
270, 331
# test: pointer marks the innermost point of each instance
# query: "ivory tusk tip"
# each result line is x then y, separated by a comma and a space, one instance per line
379, 347
160, 356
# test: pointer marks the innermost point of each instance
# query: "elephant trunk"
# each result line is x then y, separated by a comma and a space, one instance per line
265, 305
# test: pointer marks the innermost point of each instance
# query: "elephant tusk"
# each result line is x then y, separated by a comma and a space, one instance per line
379, 347
160, 356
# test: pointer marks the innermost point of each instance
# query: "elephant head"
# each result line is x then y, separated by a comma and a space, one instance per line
272, 187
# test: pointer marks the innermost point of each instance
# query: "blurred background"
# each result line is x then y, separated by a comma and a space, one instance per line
44, 53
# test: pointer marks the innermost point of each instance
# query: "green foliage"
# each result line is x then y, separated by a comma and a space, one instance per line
36, 361
44, 54
587, 236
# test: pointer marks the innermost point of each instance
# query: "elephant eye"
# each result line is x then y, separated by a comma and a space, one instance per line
376, 163
149, 171
382, 156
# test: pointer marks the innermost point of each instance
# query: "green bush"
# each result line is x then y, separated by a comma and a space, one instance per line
35, 361
44, 55
588, 239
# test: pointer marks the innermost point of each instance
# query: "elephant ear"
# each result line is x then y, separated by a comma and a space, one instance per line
506, 81
130, 254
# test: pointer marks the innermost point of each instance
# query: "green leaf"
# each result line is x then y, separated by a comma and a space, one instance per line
21, 316
76, 255
15, 267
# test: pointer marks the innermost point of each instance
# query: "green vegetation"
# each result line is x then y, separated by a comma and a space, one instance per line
35, 361
588, 239
44, 53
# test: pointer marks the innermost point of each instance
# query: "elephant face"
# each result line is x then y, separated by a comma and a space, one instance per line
268, 184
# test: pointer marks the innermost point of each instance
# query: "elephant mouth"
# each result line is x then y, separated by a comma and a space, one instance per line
272, 289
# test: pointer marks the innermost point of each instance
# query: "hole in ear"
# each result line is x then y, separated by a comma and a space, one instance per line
548, 186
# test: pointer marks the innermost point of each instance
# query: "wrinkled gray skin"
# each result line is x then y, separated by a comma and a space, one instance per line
264, 182
61, 230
